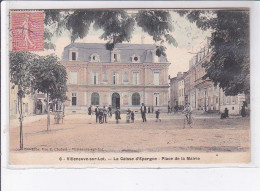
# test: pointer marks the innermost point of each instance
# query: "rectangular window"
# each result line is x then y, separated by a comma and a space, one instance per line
115, 78
94, 78
156, 78
125, 77
135, 78
73, 98
73, 77
73, 55
156, 99
228, 100
104, 77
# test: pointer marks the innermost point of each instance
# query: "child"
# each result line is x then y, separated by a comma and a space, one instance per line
158, 115
132, 116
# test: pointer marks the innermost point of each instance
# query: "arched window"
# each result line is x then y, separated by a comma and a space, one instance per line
95, 99
136, 99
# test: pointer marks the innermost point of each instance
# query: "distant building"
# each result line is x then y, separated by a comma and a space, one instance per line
28, 103
201, 93
177, 91
126, 77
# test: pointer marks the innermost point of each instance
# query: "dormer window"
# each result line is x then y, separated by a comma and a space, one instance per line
73, 55
94, 58
135, 59
115, 55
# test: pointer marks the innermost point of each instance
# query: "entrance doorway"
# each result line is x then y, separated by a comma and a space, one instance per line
115, 100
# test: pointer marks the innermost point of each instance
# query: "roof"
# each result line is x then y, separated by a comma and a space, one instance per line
85, 50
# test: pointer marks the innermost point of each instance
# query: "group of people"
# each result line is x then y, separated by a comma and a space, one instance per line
103, 113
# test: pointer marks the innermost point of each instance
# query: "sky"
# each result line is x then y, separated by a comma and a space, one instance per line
189, 37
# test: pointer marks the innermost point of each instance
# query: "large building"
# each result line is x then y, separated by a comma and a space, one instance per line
126, 77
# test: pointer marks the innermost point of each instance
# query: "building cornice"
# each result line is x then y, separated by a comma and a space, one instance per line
118, 86
80, 63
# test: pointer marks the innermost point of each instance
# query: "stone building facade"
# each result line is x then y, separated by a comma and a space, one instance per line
126, 77
201, 93
177, 91
28, 103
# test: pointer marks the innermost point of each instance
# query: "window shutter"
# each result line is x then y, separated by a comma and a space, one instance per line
92, 78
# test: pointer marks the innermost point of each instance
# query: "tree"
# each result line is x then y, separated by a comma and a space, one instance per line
118, 25
158, 24
229, 66
49, 77
20, 76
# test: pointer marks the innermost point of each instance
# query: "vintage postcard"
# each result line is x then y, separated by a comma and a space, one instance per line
122, 87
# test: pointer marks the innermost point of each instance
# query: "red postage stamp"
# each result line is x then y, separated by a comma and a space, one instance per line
27, 31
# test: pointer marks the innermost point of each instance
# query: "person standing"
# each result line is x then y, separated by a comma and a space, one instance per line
100, 115
188, 111
89, 110
152, 109
110, 111
158, 115
117, 115
104, 114
143, 112
132, 116
243, 110
96, 113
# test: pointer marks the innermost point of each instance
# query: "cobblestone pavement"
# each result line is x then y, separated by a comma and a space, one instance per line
82, 133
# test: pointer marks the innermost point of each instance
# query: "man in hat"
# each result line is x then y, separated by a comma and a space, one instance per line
96, 113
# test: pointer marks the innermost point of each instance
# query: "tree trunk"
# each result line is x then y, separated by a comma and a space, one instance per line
20, 105
48, 113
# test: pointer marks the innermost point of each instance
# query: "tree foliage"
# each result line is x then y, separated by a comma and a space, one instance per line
31, 72
117, 25
20, 76
49, 76
229, 65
